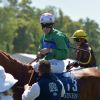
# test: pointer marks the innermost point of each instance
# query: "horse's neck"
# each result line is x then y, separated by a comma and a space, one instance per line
14, 67
86, 72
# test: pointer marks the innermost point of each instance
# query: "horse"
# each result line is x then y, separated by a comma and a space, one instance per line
20, 71
83, 84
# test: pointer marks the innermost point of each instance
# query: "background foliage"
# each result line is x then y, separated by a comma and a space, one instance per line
20, 29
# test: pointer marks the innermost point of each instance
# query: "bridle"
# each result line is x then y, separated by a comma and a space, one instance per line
32, 71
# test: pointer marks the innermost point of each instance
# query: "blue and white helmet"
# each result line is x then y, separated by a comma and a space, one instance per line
47, 18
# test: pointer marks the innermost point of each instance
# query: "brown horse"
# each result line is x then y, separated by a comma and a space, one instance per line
88, 79
89, 83
20, 71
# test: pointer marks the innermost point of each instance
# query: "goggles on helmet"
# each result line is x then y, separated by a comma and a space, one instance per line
77, 39
47, 25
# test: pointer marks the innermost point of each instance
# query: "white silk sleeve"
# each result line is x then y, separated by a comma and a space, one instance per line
31, 93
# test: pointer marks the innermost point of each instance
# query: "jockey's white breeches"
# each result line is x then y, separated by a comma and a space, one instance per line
57, 66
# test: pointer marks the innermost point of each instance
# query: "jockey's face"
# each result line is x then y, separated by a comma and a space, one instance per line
79, 41
47, 27
46, 30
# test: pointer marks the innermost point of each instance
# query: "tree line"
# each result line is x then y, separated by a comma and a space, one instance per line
20, 30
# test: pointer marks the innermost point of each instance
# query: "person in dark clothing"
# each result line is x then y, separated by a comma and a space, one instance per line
49, 87
84, 53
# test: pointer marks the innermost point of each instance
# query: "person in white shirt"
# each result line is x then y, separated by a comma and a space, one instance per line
6, 83
49, 87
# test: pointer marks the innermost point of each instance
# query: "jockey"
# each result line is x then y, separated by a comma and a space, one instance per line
49, 87
6, 83
84, 53
53, 44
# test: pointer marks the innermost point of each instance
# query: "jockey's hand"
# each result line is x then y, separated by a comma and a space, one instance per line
45, 51
75, 64
71, 65
27, 87
39, 55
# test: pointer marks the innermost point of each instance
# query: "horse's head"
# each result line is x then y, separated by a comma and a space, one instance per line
20, 71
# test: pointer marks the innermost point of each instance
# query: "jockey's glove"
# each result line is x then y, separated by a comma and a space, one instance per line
75, 64
39, 55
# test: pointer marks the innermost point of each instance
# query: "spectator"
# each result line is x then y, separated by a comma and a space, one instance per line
49, 87
6, 83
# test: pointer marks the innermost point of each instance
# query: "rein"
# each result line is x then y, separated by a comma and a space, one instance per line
19, 87
36, 59
32, 72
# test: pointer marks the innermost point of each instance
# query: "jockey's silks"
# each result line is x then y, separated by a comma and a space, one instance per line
55, 40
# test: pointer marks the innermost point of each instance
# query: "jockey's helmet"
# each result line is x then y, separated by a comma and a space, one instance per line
79, 34
47, 18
